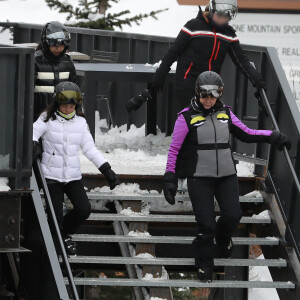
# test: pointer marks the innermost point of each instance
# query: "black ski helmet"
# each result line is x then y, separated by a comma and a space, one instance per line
227, 8
55, 34
68, 92
209, 82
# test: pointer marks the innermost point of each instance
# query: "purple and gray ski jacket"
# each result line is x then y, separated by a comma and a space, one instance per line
200, 144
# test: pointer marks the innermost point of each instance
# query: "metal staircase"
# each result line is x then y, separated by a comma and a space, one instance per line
131, 218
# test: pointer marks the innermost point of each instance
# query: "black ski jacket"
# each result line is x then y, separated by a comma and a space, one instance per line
49, 71
201, 47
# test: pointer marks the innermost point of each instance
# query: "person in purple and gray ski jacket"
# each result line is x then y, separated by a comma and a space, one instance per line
200, 150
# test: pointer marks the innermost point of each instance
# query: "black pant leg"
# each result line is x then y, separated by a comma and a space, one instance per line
82, 207
201, 192
227, 195
56, 190
181, 99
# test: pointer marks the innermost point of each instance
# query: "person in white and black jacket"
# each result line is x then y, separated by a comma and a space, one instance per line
64, 131
201, 45
52, 64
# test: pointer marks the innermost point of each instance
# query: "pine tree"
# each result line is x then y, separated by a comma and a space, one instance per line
93, 14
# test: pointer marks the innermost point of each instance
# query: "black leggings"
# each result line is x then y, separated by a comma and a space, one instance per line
77, 195
202, 191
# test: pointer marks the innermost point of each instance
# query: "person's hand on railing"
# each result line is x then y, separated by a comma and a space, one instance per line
110, 175
280, 139
137, 101
36, 151
170, 187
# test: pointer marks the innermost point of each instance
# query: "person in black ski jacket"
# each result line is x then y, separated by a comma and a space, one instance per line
52, 64
201, 45
200, 150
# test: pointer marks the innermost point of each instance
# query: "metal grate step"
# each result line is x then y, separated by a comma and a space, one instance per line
135, 217
175, 261
182, 283
155, 197
269, 241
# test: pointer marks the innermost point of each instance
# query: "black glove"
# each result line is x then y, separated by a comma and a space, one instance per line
170, 187
36, 151
279, 139
260, 84
137, 101
110, 175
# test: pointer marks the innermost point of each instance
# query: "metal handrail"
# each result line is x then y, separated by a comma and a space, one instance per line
58, 233
276, 127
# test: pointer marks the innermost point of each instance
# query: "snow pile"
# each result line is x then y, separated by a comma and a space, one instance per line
144, 255
272, 238
257, 273
133, 139
157, 64
129, 212
123, 189
245, 169
157, 298
129, 152
263, 214
138, 233
254, 194
164, 276
4, 184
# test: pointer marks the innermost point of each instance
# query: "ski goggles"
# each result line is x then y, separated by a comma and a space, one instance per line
58, 38
226, 10
67, 97
210, 91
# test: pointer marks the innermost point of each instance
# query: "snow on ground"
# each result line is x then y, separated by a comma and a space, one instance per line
157, 298
254, 194
263, 214
144, 255
129, 212
138, 233
164, 276
245, 169
257, 273
129, 152
4, 184
123, 189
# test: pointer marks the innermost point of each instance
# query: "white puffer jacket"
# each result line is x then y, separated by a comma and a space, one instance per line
62, 140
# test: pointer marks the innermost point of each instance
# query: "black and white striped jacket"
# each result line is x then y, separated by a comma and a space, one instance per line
200, 47
50, 71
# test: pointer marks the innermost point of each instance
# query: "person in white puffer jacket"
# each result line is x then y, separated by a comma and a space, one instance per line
63, 130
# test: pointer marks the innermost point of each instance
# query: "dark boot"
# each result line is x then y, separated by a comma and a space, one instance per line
70, 245
205, 274
225, 247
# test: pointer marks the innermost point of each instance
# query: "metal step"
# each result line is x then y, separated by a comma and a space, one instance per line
182, 283
268, 241
156, 197
135, 217
175, 261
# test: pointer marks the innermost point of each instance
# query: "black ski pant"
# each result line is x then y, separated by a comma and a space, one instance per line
202, 191
180, 100
77, 195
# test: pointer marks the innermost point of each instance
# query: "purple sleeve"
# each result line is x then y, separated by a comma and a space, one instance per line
238, 123
180, 132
